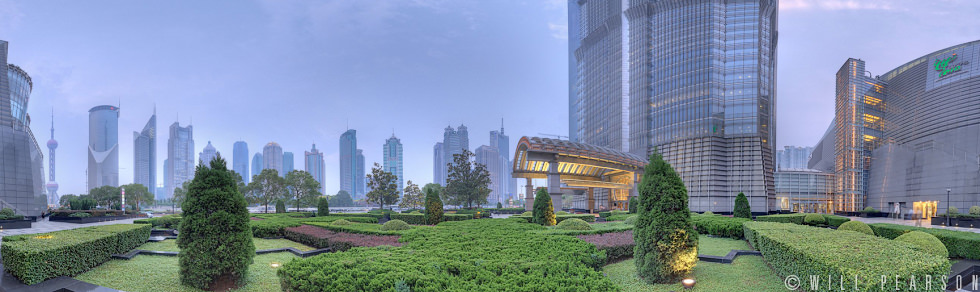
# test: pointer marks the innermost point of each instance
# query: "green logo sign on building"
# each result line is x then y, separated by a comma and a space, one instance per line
945, 67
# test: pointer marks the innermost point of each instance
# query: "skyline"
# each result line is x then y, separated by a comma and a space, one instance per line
429, 70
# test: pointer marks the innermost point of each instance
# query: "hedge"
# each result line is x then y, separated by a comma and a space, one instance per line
275, 226
960, 244
33, 258
559, 218
799, 250
834, 220
474, 255
718, 225
419, 219
168, 221
795, 218
95, 213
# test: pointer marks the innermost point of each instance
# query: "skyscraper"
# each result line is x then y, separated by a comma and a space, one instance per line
393, 160
272, 157
22, 166
103, 146
145, 154
573, 45
701, 93
793, 157
501, 144
438, 164
53, 198
348, 162
162, 192
257, 164
240, 161
209, 153
490, 158
180, 156
315, 166
287, 162
360, 173
453, 142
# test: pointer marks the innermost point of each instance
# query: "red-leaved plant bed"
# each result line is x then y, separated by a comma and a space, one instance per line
337, 241
618, 245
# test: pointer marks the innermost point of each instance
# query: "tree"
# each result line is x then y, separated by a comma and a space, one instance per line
633, 202
499, 205
543, 212
322, 207
303, 187
412, 198
468, 182
65, 199
267, 187
137, 194
341, 199
280, 206
215, 238
179, 194
742, 208
433, 204
666, 244
106, 195
383, 185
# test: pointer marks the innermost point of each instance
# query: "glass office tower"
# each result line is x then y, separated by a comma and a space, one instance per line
21, 159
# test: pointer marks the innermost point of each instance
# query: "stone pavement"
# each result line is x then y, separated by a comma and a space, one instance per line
43, 226
918, 223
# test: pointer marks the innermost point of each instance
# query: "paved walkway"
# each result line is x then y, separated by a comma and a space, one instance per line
918, 223
44, 226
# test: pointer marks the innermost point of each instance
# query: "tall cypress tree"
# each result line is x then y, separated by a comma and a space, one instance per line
666, 243
215, 237
543, 212
742, 208
433, 205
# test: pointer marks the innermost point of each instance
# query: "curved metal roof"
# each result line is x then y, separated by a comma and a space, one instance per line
581, 149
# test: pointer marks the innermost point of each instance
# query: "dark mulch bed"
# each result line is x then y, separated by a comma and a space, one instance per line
338, 241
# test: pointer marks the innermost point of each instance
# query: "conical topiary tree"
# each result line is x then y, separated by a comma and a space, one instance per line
215, 238
633, 202
666, 243
742, 208
280, 206
433, 206
322, 207
543, 212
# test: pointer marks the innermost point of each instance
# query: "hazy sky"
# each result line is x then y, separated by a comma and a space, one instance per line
299, 72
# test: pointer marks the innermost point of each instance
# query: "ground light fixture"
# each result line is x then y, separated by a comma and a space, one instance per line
275, 265
688, 283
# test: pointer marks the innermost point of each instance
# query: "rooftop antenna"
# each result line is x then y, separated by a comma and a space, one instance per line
501, 126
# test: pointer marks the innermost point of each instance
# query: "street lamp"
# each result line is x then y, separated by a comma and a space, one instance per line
947, 207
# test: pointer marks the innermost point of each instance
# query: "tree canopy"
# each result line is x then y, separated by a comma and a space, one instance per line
412, 197
267, 187
383, 185
468, 183
302, 187
137, 194
341, 199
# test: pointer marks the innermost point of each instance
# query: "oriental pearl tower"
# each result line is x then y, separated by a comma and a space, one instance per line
52, 185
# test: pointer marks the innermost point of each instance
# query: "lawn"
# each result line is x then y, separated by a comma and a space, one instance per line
719, 246
746, 274
260, 244
160, 273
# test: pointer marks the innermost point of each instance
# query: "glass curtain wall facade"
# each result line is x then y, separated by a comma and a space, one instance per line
858, 108
805, 191
438, 165
348, 162
180, 156
702, 92
288, 163
394, 161
240, 160
145, 154
103, 146
256, 164
315, 166
272, 157
21, 159
209, 153
601, 92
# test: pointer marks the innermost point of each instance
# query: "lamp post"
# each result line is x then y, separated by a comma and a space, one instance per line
947, 207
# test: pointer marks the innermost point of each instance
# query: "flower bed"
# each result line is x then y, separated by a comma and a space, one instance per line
337, 241
617, 245
559, 218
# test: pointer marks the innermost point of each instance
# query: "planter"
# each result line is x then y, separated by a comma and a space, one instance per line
966, 222
941, 221
15, 224
79, 220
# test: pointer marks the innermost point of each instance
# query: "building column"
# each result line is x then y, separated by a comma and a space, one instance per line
590, 194
528, 196
554, 185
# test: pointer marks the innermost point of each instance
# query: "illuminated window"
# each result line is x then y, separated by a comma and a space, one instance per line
871, 100
871, 118
868, 138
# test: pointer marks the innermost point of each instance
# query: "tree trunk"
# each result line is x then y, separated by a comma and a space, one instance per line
267, 206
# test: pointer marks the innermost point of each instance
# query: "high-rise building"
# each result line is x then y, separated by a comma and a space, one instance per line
22, 160
573, 45
272, 157
240, 161
453, 142
315, 166
501, 142
209, 153
145, 154
162, 193
490, 158
53, 198
257, 164
701, 93
362, 189
793, 157
438, 164
103, 146
180, 156
393, 160
287, 163
348, 163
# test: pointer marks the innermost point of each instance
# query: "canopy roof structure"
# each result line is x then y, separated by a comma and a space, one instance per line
578, 164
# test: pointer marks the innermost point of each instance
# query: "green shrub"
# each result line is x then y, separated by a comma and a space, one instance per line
559, 219
959, 244
618, 217
340, 222
82, 203
215, 236
814, 219
322, 207
719, 225
924, 242
953, 211
499, 205
834, 220
631, 220
975, 210
456, 217
573, 224
544, 212
474, 255
869, 209
857, 226
415, 213
433, 206
633, 204
708, 213
742, 208
792, 249
605, 214
666, 243
280, 206
561, 213
9, 214
80, 215
528, 214
395, 224
795, 218
414, 219
33, 258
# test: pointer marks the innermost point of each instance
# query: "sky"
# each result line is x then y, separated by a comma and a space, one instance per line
303, 72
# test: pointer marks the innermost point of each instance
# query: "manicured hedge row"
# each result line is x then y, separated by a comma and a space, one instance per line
473, 255
94, 213
559, 218
799, 250
795, 218
419, 219
621, 217
612, 213
505, 210
718, 225
960, 244
33, 258
168, 221
372, 229
276, 225
834, 220
456, 217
